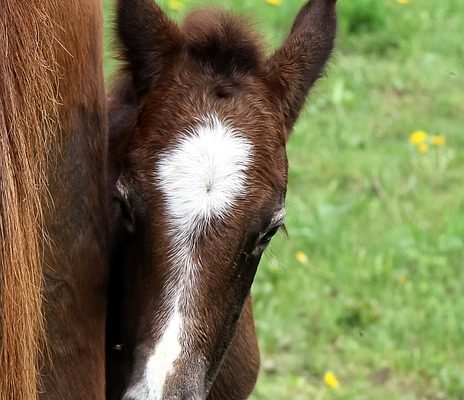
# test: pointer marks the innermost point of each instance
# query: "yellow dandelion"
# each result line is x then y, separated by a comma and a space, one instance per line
401, 279
418, 137
274, 2
438, 140
423, 148
175, 5
331, 380
403, 1
301, 257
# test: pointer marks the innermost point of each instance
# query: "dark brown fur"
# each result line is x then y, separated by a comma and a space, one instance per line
172, 76
52, 207
76, 264
238, 373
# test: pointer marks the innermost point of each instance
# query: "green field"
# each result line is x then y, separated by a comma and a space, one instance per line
370, 282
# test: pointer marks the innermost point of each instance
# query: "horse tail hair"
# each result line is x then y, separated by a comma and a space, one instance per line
28, 114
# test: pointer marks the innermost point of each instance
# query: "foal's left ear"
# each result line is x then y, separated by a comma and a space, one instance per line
294, 68
149, 41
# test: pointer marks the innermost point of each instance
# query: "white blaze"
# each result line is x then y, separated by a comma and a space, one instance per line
161, 360
167, 350
200, 179
203, 175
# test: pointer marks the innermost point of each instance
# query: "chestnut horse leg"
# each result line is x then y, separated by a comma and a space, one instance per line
239, 371
73, 365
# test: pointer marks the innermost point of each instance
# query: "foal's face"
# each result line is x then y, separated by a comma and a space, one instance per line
207, 177
202, 188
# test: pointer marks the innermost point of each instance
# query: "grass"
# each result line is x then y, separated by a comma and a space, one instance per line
379, 300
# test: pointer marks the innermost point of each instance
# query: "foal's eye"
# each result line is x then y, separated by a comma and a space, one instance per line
266, 237
126, 207
125, 212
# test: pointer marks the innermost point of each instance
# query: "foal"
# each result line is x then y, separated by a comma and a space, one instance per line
199, 122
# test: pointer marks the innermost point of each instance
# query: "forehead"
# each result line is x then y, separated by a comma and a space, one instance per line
201, 125
245, 102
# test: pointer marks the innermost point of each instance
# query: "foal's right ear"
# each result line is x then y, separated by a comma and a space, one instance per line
149, 40
294, 68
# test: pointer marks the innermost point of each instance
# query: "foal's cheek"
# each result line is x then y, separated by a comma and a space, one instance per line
248, 267
253, 263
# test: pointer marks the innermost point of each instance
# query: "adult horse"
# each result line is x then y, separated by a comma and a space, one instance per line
199, 122
52, 200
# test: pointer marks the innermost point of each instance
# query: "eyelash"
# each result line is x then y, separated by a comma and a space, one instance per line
265, 239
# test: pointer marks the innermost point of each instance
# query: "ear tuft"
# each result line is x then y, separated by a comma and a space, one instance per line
222, 43
294, 68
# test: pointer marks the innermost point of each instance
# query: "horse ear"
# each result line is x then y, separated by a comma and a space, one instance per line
294, 68
149, 40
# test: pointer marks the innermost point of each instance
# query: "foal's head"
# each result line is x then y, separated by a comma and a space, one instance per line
200, 119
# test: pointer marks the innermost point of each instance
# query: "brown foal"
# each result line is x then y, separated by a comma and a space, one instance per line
199, 120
